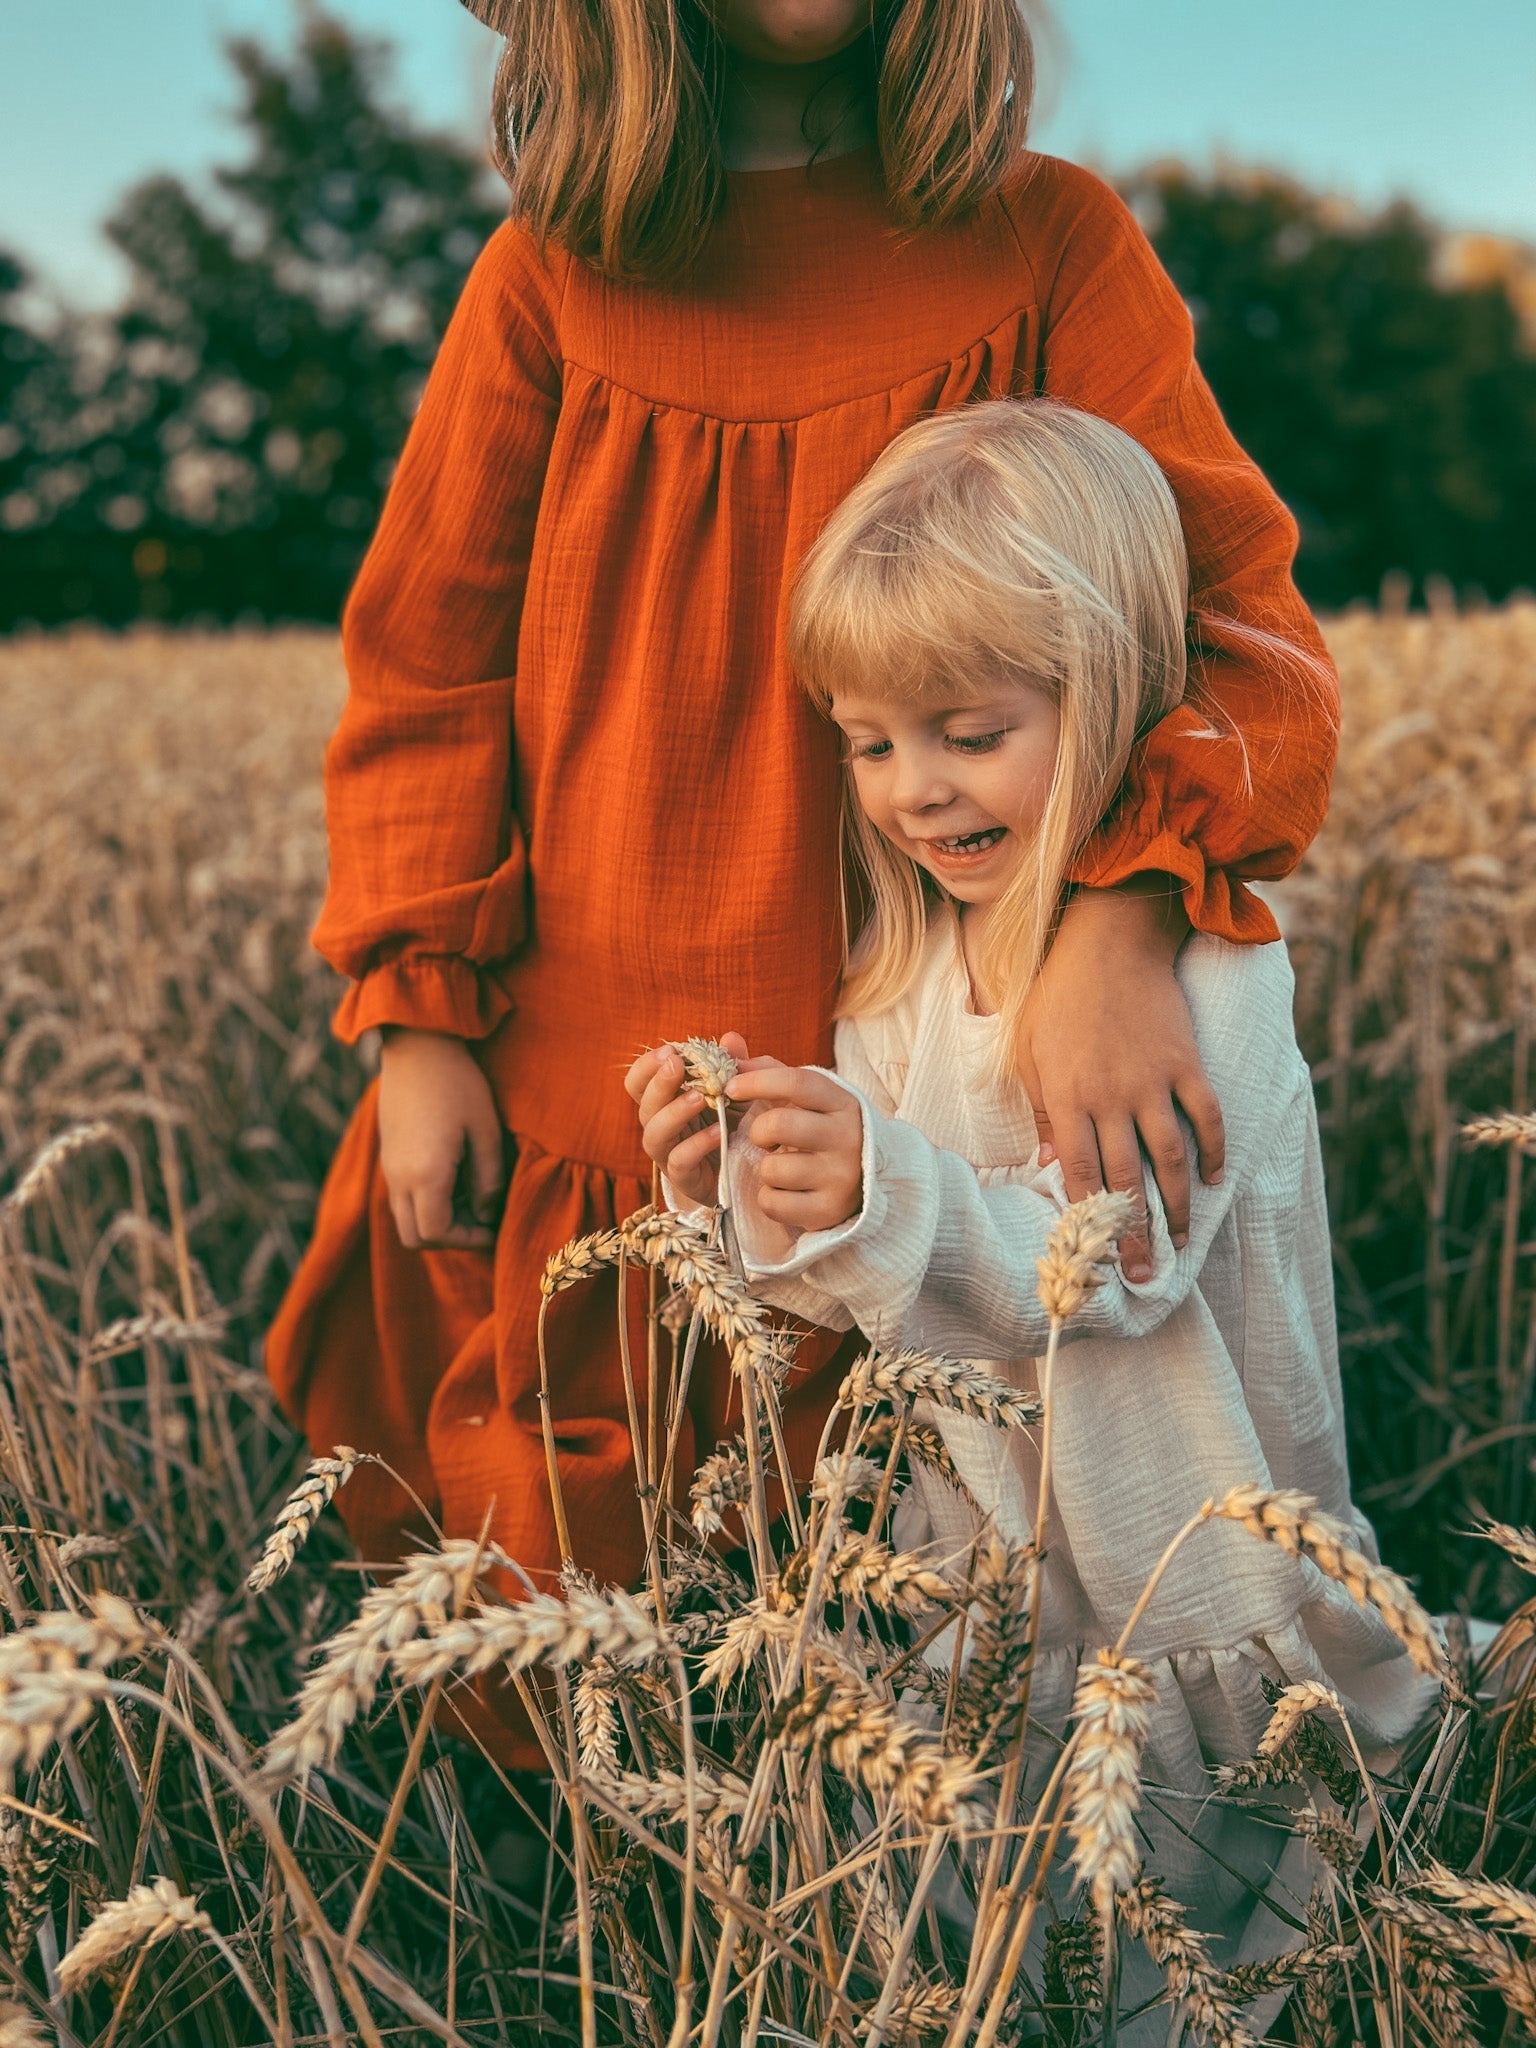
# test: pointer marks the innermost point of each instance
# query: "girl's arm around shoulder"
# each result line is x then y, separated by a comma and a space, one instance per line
427, 866
937, 1257
1235, 781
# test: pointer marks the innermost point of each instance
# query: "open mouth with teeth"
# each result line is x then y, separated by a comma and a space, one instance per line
966, 847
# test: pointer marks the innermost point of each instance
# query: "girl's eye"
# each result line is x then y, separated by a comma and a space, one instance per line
868, 750
975, 742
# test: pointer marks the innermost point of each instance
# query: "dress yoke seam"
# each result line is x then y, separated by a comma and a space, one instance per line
930, 369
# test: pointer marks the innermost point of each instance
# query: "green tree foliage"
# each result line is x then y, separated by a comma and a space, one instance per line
224, 445
1395, 413
220, 446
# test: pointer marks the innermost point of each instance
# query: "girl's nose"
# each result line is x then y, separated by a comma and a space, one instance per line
919, 786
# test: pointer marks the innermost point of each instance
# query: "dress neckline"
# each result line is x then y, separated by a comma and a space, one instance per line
816, 174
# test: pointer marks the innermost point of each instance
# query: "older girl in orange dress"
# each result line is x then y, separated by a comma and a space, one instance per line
577, 804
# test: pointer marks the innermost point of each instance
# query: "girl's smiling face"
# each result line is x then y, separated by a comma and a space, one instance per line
957, 787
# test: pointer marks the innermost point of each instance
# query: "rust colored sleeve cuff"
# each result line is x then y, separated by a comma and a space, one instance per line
1217, 902
423, 992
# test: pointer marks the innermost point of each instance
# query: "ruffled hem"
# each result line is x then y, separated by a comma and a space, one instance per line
423, 992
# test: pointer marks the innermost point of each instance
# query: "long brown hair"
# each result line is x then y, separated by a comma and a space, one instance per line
608, 117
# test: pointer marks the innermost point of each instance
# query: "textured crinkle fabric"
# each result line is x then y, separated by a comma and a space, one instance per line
578, 805
1220, 1370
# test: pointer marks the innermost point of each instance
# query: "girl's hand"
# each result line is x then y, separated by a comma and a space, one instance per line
811, 1134
678, 1128
440, 1141
1109, 1056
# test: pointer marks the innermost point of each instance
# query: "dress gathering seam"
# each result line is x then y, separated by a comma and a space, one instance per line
932, 369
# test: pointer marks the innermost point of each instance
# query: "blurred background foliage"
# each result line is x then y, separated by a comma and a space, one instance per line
217, 448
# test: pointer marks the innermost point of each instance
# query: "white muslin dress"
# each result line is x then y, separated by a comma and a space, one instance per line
1222, 1368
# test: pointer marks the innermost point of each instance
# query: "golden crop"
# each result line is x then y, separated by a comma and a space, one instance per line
169, 1097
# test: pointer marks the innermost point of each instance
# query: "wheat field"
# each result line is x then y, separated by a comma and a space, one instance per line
228, 1816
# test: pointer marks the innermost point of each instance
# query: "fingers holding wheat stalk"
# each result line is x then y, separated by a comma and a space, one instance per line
711, 1070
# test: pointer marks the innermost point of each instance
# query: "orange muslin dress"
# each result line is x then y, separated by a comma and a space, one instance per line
577, 804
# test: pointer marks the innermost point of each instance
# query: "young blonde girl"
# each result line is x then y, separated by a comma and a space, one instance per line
991, 619
576, 801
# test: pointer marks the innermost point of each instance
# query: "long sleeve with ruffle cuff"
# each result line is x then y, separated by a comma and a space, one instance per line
1234, 783
943, 1257
429, 882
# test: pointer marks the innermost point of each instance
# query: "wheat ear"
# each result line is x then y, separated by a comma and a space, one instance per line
582, 1259
1082, 1240
18, 2028
1295, 1522
1507, 1129
1181, 1954
53, 1673
1520, 1544
342, 1687
44, 1170
1504, 1904
1489, 1954
150, 1913
1112, 1706
298, 1515
865, 1740
948, 1382
539, 1630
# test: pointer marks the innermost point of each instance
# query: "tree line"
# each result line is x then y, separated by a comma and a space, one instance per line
217, 448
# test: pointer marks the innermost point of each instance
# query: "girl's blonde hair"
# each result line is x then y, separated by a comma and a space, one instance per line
1018, 540
608, 117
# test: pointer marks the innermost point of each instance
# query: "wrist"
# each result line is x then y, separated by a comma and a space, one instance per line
1145, 910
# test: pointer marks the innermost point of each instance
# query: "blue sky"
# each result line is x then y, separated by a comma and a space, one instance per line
1365, 97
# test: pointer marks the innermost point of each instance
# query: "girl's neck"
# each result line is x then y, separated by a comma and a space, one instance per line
973, 928
778, 116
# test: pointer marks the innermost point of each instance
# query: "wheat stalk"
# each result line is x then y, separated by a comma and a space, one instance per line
298, 1515
18, 2028
1111, 1705
1506, 1129
342, 1686
949, 1382
1520, 1544
1489, 1954
539, 1630
1295, 1522
863, 1737
1181, 1953
1083, 1238
581, 1259
150, 1913
1505, 1904
45, 1168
